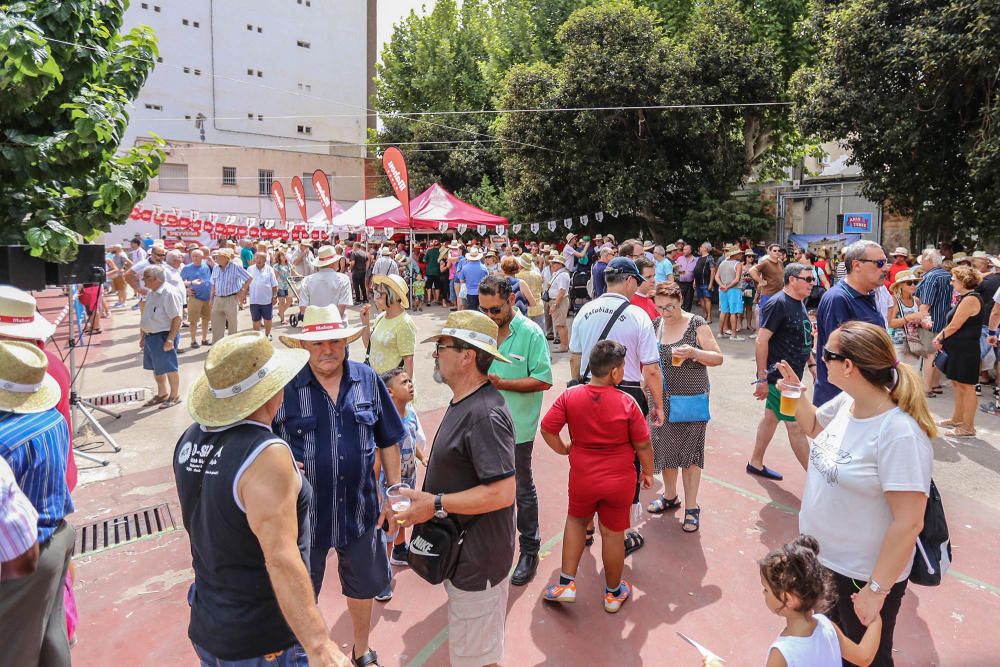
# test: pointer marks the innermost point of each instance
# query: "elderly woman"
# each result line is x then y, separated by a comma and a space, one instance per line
687, 348
391, 341
867, 477
959, 340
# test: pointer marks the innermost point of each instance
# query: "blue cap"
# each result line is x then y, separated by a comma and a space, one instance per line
623, 266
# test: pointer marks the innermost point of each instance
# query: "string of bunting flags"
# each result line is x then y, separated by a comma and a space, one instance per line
553, 225
220, 225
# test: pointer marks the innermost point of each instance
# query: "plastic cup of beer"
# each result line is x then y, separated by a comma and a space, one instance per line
674, 359
790, 400
397, 501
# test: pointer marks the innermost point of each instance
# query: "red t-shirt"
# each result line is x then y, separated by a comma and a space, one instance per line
646, 304
57, 369
603, 424
894, 269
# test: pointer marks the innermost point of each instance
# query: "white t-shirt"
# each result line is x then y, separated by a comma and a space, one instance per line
262, 286
884, 301
821, 649
852, 463
326, 288
569, 254
633, 329
560, 281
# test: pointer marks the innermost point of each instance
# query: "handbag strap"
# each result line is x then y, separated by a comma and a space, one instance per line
585, 373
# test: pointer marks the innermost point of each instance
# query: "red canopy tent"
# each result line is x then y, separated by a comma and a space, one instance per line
434, 206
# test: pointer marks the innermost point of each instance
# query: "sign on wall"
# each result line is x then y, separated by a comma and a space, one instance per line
857, 223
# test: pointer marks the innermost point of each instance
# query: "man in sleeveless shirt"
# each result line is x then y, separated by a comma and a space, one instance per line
245, 507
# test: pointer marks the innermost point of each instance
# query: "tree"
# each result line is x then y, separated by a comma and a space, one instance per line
67, 77
912, 90
658, 164
724, 220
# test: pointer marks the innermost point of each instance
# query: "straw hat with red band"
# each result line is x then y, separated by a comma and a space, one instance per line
322, 323
19, 317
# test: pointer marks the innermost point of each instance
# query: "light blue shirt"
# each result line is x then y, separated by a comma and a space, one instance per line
664, 269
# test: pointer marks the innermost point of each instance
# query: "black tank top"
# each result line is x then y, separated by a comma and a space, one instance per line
234, 611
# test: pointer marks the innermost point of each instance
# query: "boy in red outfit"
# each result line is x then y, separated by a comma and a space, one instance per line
607, 431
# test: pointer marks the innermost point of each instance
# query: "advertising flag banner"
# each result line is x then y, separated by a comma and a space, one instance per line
278, 195
442, 227
321, 184
299, 193
462, 228
515, 229
389, 231
395, 169
501, 230
481, 230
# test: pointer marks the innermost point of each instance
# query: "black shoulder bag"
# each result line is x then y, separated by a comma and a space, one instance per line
933, 556
436, 546
585, 372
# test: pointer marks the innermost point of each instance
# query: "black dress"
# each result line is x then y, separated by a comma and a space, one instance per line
962, 346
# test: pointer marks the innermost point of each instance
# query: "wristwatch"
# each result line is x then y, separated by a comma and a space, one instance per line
439, 512
876, 588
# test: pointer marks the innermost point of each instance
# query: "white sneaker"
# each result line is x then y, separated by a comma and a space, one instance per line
735, 337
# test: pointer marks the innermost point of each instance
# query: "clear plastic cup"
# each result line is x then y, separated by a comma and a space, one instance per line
790, 401
397, 501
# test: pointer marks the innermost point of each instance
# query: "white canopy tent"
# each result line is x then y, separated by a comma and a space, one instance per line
352, 221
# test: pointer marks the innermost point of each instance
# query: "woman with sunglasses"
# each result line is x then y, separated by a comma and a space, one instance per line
392, 339
688, 339
905, 319
867, 477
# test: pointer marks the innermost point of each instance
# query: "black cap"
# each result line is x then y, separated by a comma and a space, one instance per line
623, 266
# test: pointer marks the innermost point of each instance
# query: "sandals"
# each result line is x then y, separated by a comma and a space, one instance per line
938, 389
156, 400
930, 394
949, 423
692, 518
960, 432
661, 504
589, 541
369, 658
633, 541
170, 402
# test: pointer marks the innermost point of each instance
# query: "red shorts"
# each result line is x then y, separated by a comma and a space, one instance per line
610, 498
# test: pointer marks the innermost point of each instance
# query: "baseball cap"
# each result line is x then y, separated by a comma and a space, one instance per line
623, 266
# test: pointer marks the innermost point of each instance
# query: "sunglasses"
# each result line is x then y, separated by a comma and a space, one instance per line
829, 356
877, 262
807, 279
908, 282
496, 310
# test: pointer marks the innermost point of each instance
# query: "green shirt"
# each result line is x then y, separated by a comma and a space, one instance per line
529, 355
246, 256
431, 257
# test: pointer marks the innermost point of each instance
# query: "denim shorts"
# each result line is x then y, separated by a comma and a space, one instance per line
293, 656
154, 358
282, 292
702, 292
260, 312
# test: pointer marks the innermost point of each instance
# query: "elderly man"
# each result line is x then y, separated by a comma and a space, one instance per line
560, 285
686, 262
604, 256
230, 283
263, 293
385, 265
197, 277
935, 292
664, 267
122, 264
853, 298
337, 414
245, 506
471, 478
301, 259
326, 287
159, 334
34, 441
157, 257
521, 383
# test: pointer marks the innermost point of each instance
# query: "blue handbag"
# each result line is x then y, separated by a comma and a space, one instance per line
685, 408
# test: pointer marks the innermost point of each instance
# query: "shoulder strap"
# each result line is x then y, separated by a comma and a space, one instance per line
585, 373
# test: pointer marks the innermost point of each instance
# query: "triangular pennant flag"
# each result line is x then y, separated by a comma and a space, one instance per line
481, 229
599, 216
251, 221
535, 227
369, 231
614, 213
552, 225
501, 230
214, 218
389, 232
584, 220
517, 228
568, 222
462, 228
442, 227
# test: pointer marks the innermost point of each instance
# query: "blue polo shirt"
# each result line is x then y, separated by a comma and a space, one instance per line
472, 272
203, 273
597, 275
841, 303
337, 443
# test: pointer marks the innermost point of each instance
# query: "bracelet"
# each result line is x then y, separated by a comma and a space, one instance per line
812, 365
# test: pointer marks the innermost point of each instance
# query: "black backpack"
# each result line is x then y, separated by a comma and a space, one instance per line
933, 556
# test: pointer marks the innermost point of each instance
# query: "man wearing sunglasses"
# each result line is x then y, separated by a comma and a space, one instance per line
157, 257
852, 298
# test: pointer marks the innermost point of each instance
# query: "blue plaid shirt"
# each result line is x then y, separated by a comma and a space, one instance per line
337, 444
37, 448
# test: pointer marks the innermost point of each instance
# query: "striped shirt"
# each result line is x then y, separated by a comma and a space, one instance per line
37, 447
230, 280
18, 518
935, 291
337, 443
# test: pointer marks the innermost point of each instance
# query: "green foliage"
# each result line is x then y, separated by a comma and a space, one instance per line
67, 77
723, 220
913, 88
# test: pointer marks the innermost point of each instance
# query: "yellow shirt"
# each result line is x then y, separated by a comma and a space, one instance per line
534, 282
392, 339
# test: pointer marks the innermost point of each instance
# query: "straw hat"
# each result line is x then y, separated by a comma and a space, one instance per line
979, 254
647, 245
570, 237
325, 256
732, 252
903, 277
556, 256
242, 372
901, 251
397, 285
474, 328
474, 255
959, 257
228, 252
526, 260
385, 251
322, 323
455, 245
25, 387
19, 318
670, 248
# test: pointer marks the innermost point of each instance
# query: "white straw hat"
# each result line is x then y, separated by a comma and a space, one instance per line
322, 323
397, 285
19, 317
25, 387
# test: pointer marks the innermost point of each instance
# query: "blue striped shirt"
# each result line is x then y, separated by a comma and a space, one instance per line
229, 281
337, 443
37, 447
18, 518
935, 291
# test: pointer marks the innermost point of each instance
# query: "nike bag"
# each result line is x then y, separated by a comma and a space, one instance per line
933, 556
435, 547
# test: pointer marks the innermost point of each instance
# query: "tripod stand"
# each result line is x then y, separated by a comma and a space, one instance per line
85, 407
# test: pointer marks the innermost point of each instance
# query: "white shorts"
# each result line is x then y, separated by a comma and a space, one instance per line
476, 624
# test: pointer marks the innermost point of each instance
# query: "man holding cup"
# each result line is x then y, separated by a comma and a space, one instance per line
785, 335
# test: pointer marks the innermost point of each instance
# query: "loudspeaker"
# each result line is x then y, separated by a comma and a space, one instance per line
20, 269
88, 267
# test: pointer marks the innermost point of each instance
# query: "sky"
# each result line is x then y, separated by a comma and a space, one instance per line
391, 11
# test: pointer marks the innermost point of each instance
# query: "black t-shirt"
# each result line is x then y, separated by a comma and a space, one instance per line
703, 269
986, 290
791, 333
360, 258
475, 445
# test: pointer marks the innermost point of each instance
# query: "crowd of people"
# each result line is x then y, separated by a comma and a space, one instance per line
295, 451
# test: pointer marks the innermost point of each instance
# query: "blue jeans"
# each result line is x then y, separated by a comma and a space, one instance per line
293, 656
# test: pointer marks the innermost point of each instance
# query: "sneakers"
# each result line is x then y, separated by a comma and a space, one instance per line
559, 593
400, 554
736, 337
386, 593
612, 603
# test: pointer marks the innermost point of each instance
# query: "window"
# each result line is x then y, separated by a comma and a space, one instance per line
197, 72
301, 129
154, 107
309, 3
196, 24
249, 27
300, 86
185, 22
309, 87
250, 116
145, 5
304, 45
173, 177
264, 179
260, 116
260, 75
159, 59
187, 116
156, 8
259, 29
229, 175
249, 72
187, 70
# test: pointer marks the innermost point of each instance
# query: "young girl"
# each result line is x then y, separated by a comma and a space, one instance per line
795, 586
411, 447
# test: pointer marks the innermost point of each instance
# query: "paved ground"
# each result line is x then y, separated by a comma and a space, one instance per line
132, 598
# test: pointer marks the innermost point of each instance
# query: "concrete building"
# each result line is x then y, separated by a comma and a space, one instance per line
246, 92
